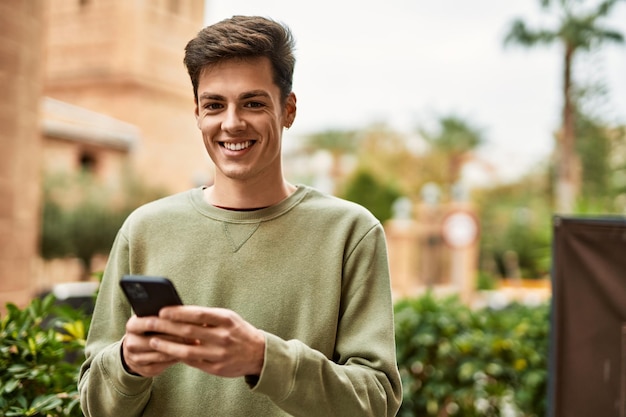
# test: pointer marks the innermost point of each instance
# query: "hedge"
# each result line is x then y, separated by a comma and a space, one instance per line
454, 361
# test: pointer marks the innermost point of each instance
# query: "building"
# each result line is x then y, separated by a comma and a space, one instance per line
21, 40
124, 59
94, 85
78, 140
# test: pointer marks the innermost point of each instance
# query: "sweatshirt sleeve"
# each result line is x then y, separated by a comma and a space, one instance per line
106, 389
362, 378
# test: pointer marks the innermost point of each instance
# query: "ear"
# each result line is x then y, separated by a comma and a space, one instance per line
289, 112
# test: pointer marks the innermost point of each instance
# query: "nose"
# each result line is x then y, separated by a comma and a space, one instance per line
233, 121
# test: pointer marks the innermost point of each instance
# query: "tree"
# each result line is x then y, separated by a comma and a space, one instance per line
455, 139
81, 216
578, 29
515, 219
599, 142
367, 190
387, 154
338, 143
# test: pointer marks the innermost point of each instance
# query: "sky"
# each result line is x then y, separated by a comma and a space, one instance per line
409, 62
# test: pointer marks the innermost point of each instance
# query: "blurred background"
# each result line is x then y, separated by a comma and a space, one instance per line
463, 126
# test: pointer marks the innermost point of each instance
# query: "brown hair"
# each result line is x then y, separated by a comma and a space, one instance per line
242, 37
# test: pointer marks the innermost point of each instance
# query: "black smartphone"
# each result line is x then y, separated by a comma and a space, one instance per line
147, 295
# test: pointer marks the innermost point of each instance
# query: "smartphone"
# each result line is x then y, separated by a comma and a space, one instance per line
147, 295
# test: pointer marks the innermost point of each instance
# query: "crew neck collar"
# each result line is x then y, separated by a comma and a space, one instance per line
246, 216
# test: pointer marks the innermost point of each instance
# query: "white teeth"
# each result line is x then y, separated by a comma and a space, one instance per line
237, 146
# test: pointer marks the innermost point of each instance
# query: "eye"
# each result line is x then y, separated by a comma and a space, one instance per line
213, 106
254, 104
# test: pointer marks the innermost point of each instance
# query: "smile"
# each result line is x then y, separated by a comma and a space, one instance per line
239, 146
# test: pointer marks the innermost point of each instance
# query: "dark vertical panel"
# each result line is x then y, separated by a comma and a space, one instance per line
589, 311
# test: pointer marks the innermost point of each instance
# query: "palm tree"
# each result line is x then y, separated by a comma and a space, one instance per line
455, 139
578, 29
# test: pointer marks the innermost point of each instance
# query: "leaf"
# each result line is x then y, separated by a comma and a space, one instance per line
11, 385
46, 402
47, 303
76, 329
17, 368
32, 345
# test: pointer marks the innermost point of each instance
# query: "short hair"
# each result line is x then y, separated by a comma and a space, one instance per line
243, 37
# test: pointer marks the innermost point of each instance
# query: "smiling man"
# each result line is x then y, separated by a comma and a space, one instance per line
287, 296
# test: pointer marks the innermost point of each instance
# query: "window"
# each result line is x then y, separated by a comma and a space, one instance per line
87, 162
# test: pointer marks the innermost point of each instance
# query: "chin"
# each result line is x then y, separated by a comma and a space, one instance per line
236, 175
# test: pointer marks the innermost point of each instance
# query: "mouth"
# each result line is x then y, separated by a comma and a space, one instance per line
238, 146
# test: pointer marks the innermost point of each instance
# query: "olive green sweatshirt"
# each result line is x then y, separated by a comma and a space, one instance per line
311, 272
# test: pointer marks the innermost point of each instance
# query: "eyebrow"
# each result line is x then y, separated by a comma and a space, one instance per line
209, 96
254, 93
243, 96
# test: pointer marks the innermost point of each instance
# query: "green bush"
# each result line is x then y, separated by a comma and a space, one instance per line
81, 216
41, 349
365, 189
455, 361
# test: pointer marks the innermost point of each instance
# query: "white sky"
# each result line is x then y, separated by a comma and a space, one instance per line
407, 62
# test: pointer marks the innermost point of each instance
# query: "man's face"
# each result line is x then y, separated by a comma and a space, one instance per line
240, 115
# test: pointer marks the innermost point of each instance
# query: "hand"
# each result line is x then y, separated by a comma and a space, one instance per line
137, 355
223, 343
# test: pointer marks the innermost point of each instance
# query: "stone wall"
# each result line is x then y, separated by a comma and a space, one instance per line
124, 59
21, 35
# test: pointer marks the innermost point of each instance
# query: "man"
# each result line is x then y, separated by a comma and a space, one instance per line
288, 308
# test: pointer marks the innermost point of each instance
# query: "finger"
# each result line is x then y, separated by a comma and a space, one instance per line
177, 332
149, 326
134, 343
151, 369
145, 327
223, 359
140, 325
153, 357
206, 316
211, 360
139, 344
180, 351
178, 339
141, 359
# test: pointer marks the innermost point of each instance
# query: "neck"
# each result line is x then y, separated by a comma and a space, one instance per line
240, 196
